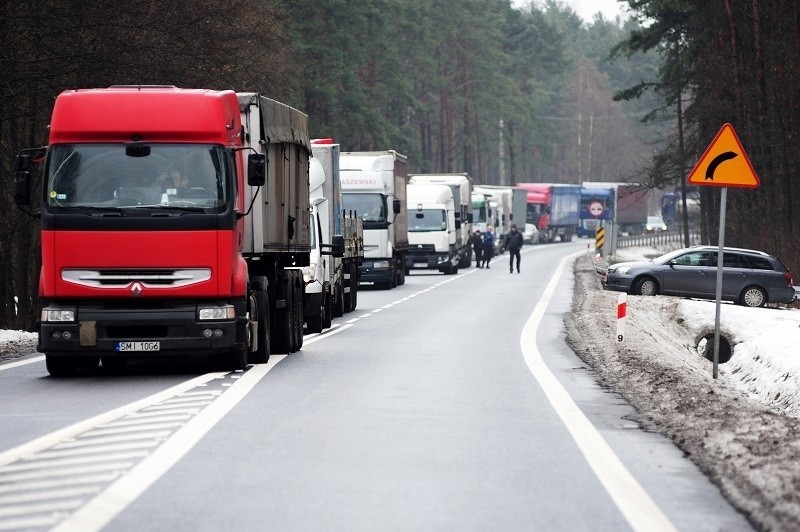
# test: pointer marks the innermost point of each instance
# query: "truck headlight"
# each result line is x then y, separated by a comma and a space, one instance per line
309, 273
58, 314
216, 313
380, 264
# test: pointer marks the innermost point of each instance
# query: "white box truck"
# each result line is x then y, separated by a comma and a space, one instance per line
337, 244
432, 228
461, 185
374, 188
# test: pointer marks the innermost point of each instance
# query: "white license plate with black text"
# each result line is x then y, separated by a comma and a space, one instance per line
137, 346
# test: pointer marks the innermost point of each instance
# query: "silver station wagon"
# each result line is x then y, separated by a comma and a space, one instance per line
751, 278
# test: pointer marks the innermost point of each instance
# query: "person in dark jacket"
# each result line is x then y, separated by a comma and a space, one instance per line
513, 243
477, 246
488, 245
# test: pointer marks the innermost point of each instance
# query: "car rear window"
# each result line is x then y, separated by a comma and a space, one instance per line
760, 263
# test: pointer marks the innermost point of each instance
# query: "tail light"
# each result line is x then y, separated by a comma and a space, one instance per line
789, 279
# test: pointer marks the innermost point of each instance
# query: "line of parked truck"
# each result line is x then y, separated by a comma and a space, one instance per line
180, 221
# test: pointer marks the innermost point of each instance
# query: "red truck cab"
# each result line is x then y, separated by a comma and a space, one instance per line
141, 227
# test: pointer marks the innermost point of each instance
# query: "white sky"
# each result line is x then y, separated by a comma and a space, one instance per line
587, 8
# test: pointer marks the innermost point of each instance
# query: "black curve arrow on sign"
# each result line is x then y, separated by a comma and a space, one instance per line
718, 160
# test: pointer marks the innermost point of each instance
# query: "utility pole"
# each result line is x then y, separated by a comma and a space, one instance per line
502, 157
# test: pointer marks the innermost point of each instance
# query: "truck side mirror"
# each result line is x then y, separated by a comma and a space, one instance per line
337, 243
396, 206
458, 224
256, 170
335, 248
470, 217
22, 180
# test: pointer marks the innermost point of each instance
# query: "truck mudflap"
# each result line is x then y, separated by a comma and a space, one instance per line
144, 331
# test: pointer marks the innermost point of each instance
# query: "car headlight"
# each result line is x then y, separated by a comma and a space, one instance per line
58, 314
380, 264
622, 270
216, 313
309, 273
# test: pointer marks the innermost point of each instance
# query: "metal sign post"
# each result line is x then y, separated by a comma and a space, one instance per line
723, 199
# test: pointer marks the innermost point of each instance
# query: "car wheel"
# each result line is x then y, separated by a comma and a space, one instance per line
753, 296
646, 286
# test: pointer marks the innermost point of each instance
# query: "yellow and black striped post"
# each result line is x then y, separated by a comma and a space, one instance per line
599, 238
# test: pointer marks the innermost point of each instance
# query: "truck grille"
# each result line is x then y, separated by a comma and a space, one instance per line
108, 278
421, 249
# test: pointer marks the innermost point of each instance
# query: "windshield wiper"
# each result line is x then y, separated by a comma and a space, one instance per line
95, 211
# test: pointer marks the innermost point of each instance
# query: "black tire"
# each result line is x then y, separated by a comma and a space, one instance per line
236, 359
401, 275
327, 303
646, 286
753, 296
280, 340
261, 355
338, 302
299, 299
58, 366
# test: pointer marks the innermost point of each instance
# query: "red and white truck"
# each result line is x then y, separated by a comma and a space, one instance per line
173, 223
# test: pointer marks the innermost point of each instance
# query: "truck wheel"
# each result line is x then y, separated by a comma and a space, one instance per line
279, 327
327, 303
338, 302
261, 355
299, 300
61, 366
401, 275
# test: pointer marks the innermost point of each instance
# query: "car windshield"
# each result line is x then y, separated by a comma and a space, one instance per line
423, 220
655, 220
122, 176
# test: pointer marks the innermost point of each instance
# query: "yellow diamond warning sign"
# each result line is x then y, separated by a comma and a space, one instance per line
724, 164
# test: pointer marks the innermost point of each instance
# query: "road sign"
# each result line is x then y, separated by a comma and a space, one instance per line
596, 209
725, 163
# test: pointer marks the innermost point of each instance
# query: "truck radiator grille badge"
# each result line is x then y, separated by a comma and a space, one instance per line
151, 278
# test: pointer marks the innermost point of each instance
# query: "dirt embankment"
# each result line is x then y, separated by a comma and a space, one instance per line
749, 450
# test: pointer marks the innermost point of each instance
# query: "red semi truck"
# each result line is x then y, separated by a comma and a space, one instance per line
173, 222
554, 209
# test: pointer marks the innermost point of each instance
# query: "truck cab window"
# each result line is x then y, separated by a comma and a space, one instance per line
369, 207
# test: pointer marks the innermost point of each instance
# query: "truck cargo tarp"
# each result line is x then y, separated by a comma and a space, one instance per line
283, 123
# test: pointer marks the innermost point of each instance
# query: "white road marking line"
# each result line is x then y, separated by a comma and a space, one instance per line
66, 472
631, 499
80, 451
161, 408
69, 504
365, 315
29, 522
137, 421
326, 335
66, 462
45, 495
21, 362
353, 320
49, 440
158, 413
127, 430
377, 310
53, 484
80, 442
103, 508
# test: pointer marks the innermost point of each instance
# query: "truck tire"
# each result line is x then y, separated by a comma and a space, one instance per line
261, 355
299, 300
236, 359
338, 302
59, 366
401, 275
280, 325
327, 303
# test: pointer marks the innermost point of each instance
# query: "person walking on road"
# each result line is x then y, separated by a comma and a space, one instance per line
513, 243
477, 246
488, 245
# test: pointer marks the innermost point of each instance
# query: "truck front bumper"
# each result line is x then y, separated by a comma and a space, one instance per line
428, 261
152, 329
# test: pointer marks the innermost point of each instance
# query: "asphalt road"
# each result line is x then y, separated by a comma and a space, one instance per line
449, 403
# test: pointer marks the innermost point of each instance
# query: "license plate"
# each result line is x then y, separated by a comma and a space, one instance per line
420, 264
137, 346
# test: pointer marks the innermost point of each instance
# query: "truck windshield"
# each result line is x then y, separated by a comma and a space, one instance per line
479, 214
122, 176
533, 213
369, 207
423, 220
